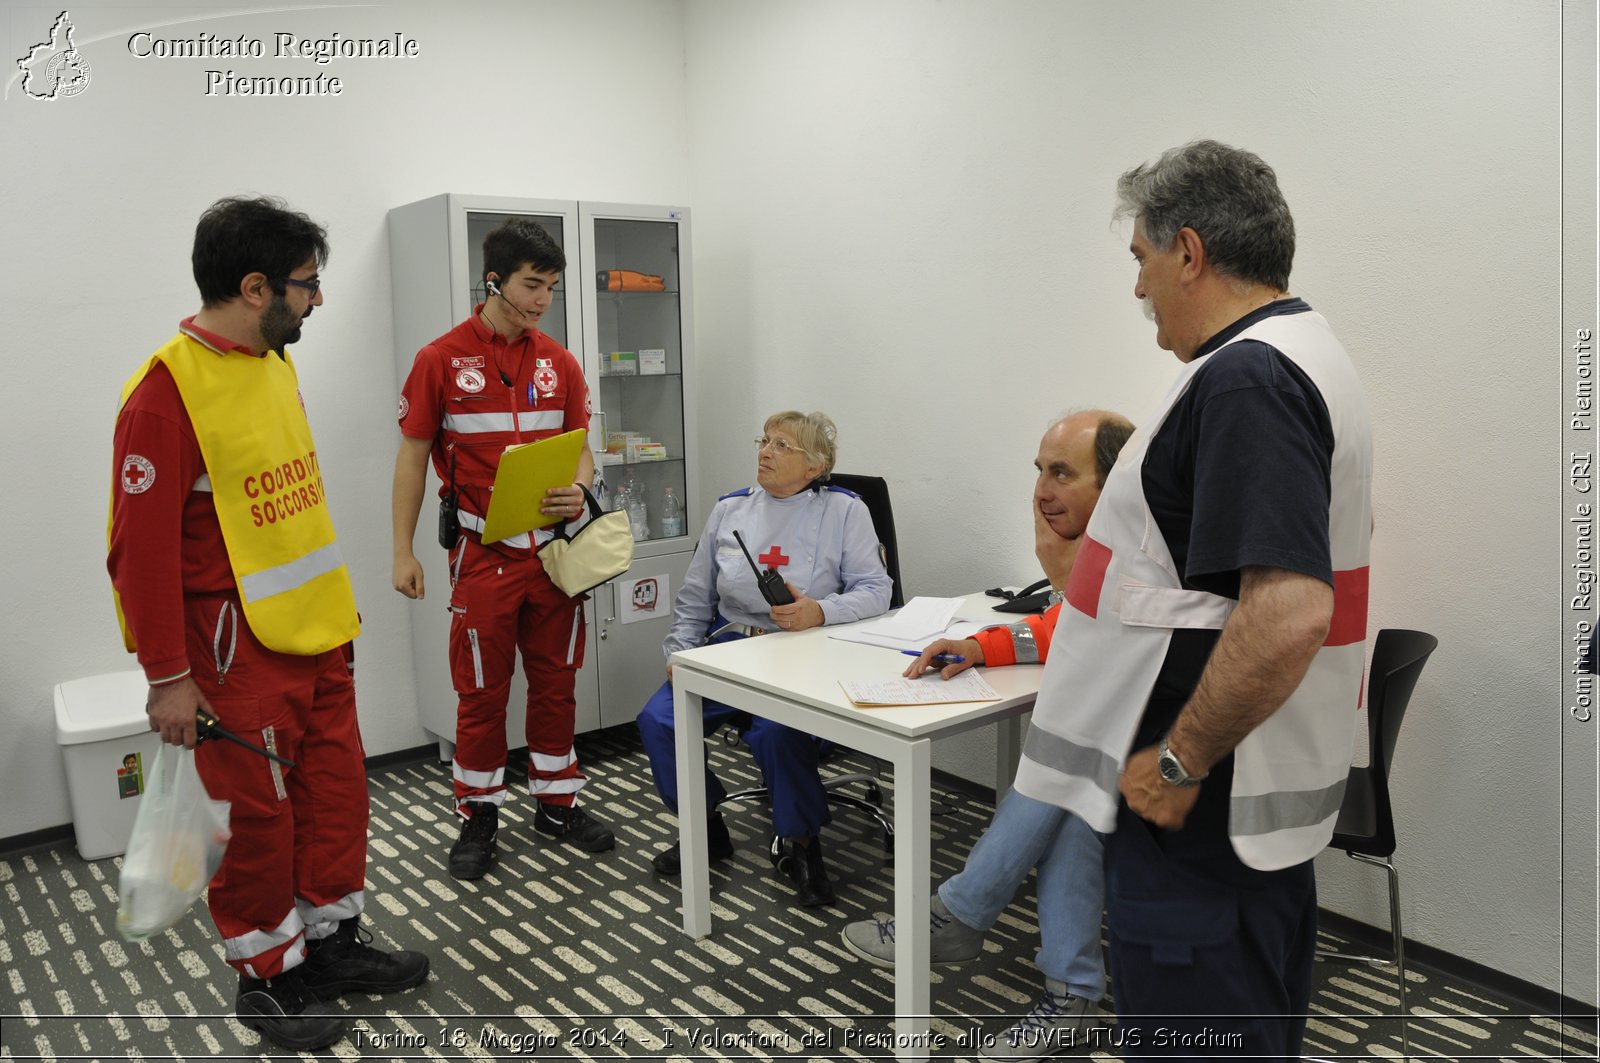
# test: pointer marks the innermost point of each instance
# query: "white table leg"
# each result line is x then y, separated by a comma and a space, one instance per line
912, 850
693, 846
1008, 751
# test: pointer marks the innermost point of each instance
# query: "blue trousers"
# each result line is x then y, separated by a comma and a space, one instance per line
1024, 834
1216, 954
787, 758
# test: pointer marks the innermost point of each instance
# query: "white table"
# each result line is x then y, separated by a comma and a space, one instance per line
793, 678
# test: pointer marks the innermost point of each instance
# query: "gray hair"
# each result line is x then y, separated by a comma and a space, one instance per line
1227, 195
816, 434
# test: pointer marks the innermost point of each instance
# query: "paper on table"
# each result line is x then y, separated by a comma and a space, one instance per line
920, 618
958, 629
929, 690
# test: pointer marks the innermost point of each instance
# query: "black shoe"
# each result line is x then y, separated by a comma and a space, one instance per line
286, 1012
809, 874
670, 862
572, 824
473, 852
346, 962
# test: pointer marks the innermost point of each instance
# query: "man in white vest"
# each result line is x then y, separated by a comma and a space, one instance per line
1201, 705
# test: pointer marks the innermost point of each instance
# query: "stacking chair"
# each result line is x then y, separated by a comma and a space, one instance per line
874, 491
1365, 827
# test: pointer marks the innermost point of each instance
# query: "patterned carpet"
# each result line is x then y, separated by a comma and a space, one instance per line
558, 954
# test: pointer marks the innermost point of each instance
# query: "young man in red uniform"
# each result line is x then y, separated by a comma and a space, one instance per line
492, 382
232, 590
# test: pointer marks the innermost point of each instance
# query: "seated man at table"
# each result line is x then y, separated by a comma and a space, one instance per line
1075, 456
821, 540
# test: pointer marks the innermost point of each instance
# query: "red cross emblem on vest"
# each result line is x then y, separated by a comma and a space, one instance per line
773, 558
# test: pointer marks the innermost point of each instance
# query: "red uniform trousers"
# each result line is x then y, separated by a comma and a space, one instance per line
501, 603
297, 861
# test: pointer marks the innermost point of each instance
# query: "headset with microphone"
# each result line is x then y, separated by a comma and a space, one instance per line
494, 289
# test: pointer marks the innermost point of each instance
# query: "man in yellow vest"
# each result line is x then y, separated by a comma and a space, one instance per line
233, 593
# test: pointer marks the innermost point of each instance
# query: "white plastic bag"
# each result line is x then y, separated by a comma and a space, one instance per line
177, 844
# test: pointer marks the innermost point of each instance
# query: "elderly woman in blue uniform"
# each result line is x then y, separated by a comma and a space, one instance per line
821, 540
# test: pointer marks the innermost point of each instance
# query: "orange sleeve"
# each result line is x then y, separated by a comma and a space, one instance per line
997, 646
1000, 645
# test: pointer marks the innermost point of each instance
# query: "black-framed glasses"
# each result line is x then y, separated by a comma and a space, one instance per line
313, 285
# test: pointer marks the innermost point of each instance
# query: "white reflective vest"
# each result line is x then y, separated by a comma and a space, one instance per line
1125, 598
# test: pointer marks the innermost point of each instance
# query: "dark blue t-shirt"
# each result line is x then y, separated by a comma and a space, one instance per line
1237, 475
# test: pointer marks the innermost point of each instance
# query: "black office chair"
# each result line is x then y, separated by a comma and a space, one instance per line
1365, 827
874, 491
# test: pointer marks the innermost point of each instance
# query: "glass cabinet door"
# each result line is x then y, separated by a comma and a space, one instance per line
636, 269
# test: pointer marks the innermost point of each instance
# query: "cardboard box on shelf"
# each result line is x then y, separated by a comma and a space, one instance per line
621, 363
652, 361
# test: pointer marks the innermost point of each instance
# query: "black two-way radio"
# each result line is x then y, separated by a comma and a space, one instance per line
772, 586
449, 516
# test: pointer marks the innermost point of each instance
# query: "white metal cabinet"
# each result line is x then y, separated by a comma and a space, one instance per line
435, 250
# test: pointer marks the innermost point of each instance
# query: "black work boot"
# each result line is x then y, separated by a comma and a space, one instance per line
345, 962
573, 825
286, 1012
670, 862
809, 873
473, 852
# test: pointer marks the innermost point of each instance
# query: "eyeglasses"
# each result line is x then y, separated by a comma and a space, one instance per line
782, 446
313, 285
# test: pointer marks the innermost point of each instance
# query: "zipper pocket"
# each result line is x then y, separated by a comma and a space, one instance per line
477, 657
227, 620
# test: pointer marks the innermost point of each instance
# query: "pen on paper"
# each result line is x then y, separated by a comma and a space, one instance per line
939, 658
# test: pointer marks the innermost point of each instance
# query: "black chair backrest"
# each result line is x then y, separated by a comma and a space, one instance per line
1397, 659
874, 491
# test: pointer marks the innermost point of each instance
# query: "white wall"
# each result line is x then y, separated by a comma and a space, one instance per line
543, 99
902, 217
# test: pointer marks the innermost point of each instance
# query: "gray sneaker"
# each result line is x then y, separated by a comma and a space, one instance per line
949, 939
1058, 1022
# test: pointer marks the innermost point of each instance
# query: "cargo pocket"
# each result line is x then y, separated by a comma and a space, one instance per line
1175, 928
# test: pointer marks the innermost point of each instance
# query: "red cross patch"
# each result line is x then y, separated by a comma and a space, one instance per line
138, 474
773, 558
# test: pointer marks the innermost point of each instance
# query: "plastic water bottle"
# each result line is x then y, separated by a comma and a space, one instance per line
671, 514
638, 515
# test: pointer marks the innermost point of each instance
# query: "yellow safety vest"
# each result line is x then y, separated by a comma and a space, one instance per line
267, 485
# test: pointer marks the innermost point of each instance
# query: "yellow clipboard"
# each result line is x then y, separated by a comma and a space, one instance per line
525, 474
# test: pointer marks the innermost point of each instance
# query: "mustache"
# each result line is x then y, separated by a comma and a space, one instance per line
1149, 309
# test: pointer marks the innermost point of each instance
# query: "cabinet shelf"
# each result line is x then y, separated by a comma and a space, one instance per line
636, 464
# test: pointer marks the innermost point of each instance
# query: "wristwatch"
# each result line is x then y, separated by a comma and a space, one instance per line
1172, 771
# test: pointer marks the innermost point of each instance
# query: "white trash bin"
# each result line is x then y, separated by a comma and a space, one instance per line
108, 747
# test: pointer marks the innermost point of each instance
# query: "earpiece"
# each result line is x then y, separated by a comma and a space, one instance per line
494, 289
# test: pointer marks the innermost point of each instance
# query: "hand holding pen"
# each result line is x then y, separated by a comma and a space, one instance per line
950, 656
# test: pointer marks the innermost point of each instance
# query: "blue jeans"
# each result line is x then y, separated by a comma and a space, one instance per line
788, 761
1023, 834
